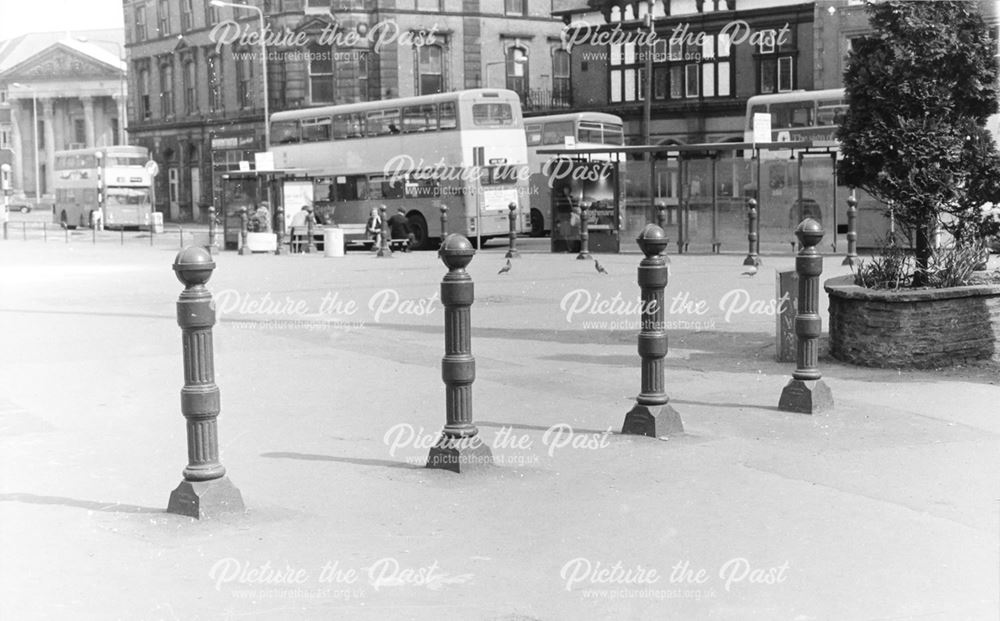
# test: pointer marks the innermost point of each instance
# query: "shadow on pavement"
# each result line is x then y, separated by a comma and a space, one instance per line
112, 507
358, 461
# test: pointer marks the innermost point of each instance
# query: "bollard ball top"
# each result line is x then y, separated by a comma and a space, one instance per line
852, 202
652, 240
512, 207
751, 203
809, 233
193, 266
444, 208
456, 251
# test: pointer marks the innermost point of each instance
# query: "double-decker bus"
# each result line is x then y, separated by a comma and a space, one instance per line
584, 129
113, 180
464, 150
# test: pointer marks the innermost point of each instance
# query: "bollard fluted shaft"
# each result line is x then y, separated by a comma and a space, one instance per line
459, 447
852, 231
805, 392
279, 228
652, 414
584, 234
211, 229
512, 252
200, 402
753, 257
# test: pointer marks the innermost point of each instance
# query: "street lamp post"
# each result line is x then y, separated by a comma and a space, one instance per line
263, 59
34, 134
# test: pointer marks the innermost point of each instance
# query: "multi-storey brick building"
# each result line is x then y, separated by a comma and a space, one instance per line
195, 70
709, 56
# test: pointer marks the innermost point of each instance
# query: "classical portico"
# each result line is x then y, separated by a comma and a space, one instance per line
70, 95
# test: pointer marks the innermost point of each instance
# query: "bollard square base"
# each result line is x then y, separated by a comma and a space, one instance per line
653, 421
460, 457
806, 397
849, 261
752, 260
206, 499
512, 254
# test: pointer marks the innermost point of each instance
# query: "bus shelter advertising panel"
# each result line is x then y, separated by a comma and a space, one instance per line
590, 187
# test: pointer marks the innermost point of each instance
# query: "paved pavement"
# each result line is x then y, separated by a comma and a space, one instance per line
884, 508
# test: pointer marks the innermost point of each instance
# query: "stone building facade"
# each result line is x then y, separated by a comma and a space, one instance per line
58, 91
196, 69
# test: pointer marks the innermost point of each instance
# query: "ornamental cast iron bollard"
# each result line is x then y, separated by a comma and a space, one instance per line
243, 230
279, 228
584, 234
384, 250
459, 448
753, 256
806, 392
211, 247
205, 490
852, 231
310, 223
512, 252
652, 414
444, 223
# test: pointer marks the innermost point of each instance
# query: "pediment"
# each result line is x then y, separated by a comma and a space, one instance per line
58, 62
314, 24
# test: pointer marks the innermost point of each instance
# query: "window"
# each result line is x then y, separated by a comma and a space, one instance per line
561, 88
555, 133
140, 23
420, 118
431, 68
533, 134
429, 5
166, 90
517, 70
514, 7
80, 132
187, 14
284, 132
776, 62
115, 131
244, 80
144, 108
448, 118
492, 114
190, 98
5, 137
320, 74
383, 122
163, 18
212, 16
214, 66
316, 130
349, 126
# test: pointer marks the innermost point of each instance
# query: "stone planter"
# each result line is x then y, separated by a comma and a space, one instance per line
917, 329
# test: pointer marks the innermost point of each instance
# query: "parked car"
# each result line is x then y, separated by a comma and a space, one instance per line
19, 207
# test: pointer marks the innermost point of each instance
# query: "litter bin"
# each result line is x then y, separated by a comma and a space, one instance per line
333, 242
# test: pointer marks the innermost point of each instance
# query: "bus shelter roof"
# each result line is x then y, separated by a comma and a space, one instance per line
262, 173
708, 147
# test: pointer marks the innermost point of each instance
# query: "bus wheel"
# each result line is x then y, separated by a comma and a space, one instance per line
537, 223
418, 227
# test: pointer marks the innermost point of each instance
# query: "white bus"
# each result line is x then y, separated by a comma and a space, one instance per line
113, 181
464, 149
586, 129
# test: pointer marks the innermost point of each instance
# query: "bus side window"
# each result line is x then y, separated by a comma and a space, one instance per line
534, 134
448, 119
555, 132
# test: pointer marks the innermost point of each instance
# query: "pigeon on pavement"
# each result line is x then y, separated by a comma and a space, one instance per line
505, 268
600, 268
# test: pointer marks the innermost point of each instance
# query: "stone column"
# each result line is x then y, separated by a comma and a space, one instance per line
88, 121
50, 142
17, 178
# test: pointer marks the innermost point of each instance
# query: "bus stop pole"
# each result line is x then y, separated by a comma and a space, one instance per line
715, 203
798, 181
833, 157
760, 210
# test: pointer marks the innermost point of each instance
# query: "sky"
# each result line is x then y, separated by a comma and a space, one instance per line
18, 17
